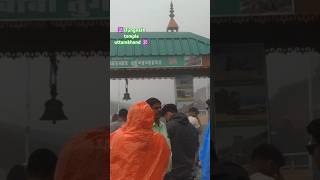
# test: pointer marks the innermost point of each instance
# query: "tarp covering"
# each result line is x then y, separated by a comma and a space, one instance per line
136, 151
85, 157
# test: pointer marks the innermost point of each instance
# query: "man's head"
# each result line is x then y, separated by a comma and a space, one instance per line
155, 104
42, 164
193, 112
168, 111
267, 159
123, 113
314, 146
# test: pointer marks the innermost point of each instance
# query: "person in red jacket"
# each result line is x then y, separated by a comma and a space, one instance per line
136, 151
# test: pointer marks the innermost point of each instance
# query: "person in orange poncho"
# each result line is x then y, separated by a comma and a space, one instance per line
136, 151
85, 157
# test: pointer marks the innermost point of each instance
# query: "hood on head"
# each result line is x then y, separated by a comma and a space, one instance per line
140, 116
181, 118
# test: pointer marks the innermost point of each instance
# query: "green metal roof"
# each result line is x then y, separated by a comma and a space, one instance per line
162, 44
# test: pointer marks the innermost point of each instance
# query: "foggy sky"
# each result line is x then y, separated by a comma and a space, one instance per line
284, 69
153, 15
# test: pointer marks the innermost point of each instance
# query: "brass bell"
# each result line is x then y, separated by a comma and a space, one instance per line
53, 111
126, 96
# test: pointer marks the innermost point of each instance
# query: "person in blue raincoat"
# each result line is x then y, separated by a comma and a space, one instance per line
204, 153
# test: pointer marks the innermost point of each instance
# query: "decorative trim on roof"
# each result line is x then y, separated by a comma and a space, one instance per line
14, 55
143, 78
267, 19
162, 44
159, 72
56, 24
288, 50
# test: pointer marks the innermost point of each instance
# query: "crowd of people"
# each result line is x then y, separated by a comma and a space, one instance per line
266, 160
154, 142
41, 166
147, 142
158, 142
83, 157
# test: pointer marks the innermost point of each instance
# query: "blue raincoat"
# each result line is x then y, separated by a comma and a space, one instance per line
204, 155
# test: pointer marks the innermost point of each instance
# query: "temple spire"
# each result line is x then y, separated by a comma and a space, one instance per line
172, 26
171, 10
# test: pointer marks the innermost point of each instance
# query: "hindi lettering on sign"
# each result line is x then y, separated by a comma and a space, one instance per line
78, 8
6, 6
99, 4
123, 63
148, 62
140, 62
36, 6
24, 6
47, 9
134, 64
118, 63
153, 62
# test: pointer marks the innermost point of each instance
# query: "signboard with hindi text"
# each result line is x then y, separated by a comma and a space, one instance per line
155, 62
251, 7
11, 10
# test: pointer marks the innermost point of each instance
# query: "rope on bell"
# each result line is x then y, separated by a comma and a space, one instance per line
53, 76
127, 85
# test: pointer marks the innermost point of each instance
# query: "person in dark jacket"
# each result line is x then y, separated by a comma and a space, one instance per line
184, 143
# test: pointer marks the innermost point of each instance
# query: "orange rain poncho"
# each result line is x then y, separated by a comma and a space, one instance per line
136, 151
85, 157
